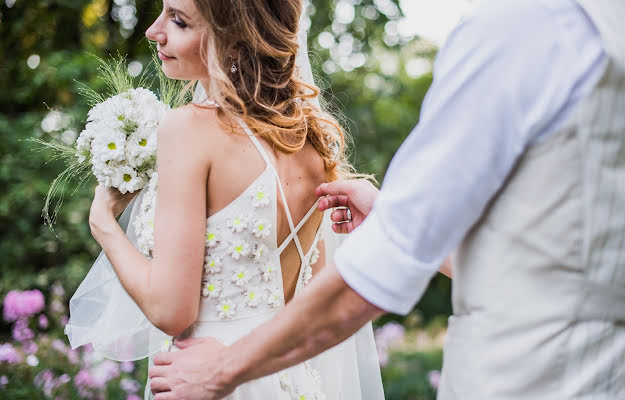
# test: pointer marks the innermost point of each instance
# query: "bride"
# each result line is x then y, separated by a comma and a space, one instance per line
228, 231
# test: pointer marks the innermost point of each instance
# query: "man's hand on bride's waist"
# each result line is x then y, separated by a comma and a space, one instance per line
193, 372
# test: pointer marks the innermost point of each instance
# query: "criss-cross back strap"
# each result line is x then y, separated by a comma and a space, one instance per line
294, 229
293, 234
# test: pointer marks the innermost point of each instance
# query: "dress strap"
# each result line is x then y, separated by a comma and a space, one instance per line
293, 235
256, 142
294, 231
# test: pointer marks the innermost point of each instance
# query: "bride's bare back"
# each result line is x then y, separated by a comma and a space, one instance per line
234, 165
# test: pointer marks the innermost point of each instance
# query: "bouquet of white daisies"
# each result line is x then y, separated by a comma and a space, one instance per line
118, 143
120, 139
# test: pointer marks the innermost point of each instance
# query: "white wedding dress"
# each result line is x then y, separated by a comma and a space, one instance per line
241, 288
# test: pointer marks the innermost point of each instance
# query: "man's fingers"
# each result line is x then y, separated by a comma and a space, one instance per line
345, 227
183, 344
335, 188
158, 371
332, 202
165, 396
163, 358
158, 385
340, 215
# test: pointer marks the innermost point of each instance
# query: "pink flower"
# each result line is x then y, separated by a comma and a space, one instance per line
3, 381
130, 385
435, 378
84, 379
382, 357
84, 382
133, 397
390, 333
56, 306
104, 372
43, 321
385, 337
63, 379
21, 331
59, 345
57, 290
45, 381
30, 347
9, 354
72, 356
22, 304
127, 366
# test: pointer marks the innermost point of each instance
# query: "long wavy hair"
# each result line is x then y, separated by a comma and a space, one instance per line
259, 37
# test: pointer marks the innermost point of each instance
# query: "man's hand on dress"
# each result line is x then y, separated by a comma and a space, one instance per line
189, 373
351, 198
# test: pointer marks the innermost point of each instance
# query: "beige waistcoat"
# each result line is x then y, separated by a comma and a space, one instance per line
539, 281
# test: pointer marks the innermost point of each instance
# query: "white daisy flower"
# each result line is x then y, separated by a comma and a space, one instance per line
285, 380
314, 256
240, 277
260, 197
226, 309
260, 253
275, 298
313, 372
211, 288
109, 146
267, 270
126, 180
212, 236
237, 224
307, 274
252, 297
212, 264
261, 228
238, 248
142, 145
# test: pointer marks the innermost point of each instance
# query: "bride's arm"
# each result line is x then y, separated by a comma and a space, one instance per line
167, 288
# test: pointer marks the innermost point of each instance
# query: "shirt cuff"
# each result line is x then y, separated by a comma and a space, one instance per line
387, 276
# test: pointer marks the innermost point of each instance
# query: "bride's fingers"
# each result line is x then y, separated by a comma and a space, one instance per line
332, 202
158, 385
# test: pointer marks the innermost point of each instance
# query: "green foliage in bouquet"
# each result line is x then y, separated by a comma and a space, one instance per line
114, 73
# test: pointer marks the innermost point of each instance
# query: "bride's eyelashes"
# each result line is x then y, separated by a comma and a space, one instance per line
176, 20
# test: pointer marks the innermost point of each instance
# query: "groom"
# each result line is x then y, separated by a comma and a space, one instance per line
517, 164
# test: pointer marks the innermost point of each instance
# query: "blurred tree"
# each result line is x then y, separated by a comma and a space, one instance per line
368, 71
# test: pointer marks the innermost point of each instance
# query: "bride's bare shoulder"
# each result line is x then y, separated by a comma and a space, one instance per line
190, 120
196, 126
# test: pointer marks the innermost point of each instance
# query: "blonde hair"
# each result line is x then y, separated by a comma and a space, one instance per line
259, 37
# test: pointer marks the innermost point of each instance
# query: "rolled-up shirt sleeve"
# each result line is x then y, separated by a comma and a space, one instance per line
498, 86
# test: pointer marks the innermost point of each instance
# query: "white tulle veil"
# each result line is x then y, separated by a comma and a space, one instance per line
103, 314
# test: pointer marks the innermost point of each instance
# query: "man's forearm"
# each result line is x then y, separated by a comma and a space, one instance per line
325, 314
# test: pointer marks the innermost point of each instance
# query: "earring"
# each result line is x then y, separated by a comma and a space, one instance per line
234, 68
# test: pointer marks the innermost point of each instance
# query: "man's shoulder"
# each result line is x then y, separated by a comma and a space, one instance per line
503, 19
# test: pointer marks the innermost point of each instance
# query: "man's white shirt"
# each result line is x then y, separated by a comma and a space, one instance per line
507, 76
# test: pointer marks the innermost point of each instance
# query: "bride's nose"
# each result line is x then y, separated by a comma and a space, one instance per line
155, 32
